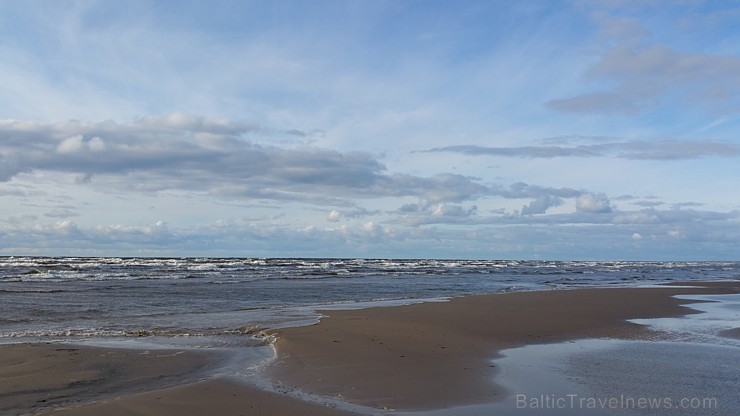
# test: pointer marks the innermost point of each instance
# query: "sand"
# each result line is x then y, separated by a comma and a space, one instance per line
420, 356
434, 355
213, 397
38, 376
59, 379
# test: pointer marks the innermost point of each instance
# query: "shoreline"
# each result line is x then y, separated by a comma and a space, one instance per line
411, 357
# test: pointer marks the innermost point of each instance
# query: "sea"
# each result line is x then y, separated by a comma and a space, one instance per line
229, 301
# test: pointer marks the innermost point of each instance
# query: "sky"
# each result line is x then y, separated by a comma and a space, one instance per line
574, 130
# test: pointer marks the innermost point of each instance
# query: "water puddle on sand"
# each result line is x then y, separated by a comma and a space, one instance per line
614, 377
717, 323
697, 374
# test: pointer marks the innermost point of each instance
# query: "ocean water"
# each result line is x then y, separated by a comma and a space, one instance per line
219, 301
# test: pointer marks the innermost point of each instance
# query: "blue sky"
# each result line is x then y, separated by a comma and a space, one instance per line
491, 129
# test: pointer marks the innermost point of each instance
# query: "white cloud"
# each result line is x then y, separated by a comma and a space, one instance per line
334, 216
77, 144
66, 226
451, 210
593, 203
372, 229
70, 145
96, 144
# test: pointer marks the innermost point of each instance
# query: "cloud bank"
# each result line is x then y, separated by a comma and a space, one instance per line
644, 75
635, 150
193, 153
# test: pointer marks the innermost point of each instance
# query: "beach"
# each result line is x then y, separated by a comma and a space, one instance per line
418, 357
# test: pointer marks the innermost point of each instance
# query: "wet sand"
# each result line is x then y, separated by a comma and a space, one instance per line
434, 355
57, 379
213, 397
40, 376
420, 356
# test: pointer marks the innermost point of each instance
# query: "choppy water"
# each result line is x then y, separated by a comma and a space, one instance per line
63, 298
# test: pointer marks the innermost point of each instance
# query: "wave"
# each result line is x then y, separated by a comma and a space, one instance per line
75, 268
250, 331
33, 290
